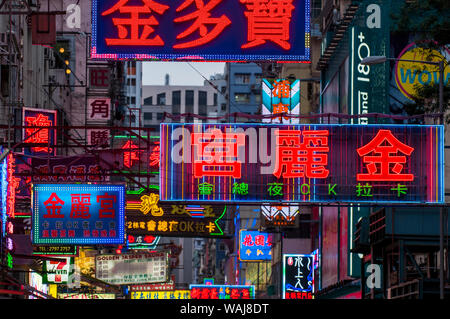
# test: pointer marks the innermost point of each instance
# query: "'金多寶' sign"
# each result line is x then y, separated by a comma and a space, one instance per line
78, 214
213, 30
302, 163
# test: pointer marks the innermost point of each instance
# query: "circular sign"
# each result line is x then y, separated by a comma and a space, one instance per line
409, 75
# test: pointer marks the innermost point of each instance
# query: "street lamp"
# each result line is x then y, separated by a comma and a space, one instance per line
377, 59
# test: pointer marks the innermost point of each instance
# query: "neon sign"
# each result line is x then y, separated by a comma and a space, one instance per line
39, 118
222, 292
78, 214
274, 163
281, 96
208, 30
298, 276
254, 246
148, 219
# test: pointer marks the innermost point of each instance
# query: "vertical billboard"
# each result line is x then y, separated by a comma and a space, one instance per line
46, 138
201, 30
281, 96
267, 163
78, 214
298, 276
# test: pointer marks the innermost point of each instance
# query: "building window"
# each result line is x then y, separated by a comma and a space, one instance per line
148, 116
202, 110
215, 99
133, 100
258, 78
223, 107
148, 100
202, 98
159, 116
242, 97
189, 98
176, 98
242, 78
258, 98
161, 99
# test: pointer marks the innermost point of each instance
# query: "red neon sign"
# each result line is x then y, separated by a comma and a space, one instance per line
134, 22
42, 136
387, 152
296, 159
202, 18
268, 21
217, 153
130, 154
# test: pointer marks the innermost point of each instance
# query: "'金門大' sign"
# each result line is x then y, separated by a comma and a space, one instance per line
216, 30
78, 214
302, 163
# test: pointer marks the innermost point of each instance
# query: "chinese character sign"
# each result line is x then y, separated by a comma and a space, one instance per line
298, 276
43, 139
78, 214
211, 30
254, 246
272, 163
98, 109
222, 292
279, 97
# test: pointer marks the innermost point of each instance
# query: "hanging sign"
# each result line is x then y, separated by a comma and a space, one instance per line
218, 30
267, 163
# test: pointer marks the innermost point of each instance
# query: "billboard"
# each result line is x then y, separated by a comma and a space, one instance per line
58, 272
78, 214
254, 245
130, 269
267, 163
205, 291
148, 217
298, 276
202, 30
175, 294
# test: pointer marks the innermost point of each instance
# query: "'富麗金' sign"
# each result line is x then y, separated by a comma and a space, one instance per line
127, 269
148, 217
298, 276
222, 292
216, 30
78, 214
264, 163
254, 245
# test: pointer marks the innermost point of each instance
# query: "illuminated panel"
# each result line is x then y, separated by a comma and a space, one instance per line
298, 276
255, 246
302, 163
78, 214
281, 96
42, 118
4, 192
202, 30
222, 292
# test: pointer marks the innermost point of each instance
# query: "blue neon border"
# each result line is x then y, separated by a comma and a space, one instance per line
204, 57
441, 165
251, 287
120, 239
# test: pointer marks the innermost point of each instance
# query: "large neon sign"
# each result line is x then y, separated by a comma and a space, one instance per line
210, 30
46, 137
275, 163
